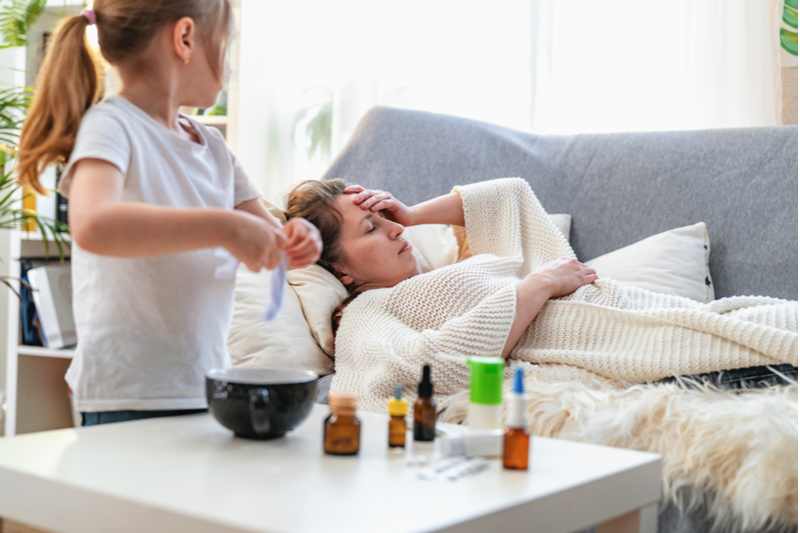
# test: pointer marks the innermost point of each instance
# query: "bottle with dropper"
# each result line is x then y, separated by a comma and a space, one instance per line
516, 441
425, 408
398, 407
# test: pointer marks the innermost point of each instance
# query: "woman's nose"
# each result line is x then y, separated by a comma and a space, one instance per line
395, 229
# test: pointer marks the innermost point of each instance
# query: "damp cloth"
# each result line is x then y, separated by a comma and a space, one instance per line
227, 270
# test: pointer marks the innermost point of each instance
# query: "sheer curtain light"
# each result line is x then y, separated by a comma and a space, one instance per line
548, 66
628, 65
447, 56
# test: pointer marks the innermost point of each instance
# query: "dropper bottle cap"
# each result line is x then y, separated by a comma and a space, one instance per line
516, 417
425, 387
398, 406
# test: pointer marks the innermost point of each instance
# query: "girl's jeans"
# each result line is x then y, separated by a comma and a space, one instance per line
109, 417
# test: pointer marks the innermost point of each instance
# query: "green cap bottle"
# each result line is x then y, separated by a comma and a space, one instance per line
485, 392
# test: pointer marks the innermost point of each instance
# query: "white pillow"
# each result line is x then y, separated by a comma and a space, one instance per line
286, 342
319, 293
673, 262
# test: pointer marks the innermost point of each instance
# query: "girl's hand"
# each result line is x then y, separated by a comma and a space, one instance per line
375, 201
254, 241
563, 276
303, 242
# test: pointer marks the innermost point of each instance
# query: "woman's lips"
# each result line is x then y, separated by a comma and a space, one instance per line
405, 247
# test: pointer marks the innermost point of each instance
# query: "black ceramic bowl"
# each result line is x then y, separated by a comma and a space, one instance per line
260, 403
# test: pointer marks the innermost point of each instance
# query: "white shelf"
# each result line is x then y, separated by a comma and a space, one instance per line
41, 351
36, 236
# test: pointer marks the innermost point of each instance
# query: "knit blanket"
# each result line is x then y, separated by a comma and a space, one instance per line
604, 331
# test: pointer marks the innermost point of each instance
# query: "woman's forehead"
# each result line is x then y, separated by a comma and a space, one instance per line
351, 213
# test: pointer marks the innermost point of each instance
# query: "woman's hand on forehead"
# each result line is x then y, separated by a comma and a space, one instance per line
377, 200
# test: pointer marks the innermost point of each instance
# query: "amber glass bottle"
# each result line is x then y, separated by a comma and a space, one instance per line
398, 407
516, 448
342, 427
516, 441
425, 408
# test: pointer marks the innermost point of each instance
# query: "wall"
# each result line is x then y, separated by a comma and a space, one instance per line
253, 135
789, 88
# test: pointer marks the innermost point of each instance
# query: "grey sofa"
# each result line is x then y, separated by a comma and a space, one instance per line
619, 189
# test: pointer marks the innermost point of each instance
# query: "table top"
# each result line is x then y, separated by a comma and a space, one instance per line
188, 473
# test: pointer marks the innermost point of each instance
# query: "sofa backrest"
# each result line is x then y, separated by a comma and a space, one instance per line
619, 188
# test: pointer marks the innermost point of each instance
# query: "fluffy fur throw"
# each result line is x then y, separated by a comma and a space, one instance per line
734, 452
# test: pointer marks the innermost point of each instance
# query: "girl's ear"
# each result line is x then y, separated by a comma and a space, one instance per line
183, 35
346, 279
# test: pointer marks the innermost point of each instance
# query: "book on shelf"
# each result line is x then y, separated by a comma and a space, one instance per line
30, 328
52, 294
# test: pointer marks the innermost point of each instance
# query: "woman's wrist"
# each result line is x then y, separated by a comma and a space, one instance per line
413, 215
535, 284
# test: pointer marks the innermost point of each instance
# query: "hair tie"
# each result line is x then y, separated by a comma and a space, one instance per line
90, 16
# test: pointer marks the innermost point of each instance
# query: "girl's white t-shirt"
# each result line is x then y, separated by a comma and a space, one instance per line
150, 328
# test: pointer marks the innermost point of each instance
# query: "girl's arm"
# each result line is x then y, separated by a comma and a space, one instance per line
445, 209
101, 223
303, 241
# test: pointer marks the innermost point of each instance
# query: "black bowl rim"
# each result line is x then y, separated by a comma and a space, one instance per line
303, 376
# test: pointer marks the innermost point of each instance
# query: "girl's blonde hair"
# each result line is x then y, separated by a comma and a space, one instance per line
70, 79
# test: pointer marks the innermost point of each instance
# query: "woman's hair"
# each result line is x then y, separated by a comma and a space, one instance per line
314, 201
70, 78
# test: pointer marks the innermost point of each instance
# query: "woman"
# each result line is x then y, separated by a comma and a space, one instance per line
518, 292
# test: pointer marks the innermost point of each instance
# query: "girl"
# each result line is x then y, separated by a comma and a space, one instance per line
153, 195
521, 295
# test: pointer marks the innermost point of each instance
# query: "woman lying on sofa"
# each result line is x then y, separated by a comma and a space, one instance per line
517, 291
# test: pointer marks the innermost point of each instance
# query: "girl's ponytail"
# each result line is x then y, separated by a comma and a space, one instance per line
68, 84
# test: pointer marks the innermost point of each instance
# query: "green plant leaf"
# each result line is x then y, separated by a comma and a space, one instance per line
791, 3
17, 18
790, 17
789, 41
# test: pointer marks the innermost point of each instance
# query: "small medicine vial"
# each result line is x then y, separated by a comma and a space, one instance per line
342, 427
398, 407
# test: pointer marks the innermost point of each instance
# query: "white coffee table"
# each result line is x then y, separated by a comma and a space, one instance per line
189, 474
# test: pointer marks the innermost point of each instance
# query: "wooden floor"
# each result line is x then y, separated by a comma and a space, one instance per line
9, 526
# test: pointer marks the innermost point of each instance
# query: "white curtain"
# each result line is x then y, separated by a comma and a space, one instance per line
638, 65
471, 59
548, 66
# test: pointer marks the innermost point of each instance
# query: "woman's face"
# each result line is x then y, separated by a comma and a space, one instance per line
373, 251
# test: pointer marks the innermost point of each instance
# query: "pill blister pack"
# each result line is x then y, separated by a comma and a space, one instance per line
453, 468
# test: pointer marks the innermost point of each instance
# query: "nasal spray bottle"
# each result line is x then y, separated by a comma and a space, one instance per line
485, 393
516, 441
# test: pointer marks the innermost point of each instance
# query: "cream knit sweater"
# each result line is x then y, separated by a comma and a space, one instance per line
604, 330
